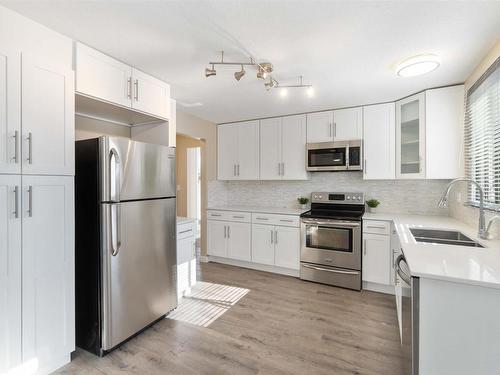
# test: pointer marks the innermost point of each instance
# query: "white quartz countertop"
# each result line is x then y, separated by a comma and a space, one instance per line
262, 210
183, 220
469, 265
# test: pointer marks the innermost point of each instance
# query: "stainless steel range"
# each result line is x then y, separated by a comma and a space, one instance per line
331, 239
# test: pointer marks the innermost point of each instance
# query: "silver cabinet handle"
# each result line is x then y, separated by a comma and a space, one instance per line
136, 86
261, 218
330, 270
30, 148
375, 226
276, 236
330, 132
238, 217
272, 240
115, 228
30, 201
16, 202
283, 169
364, 247
185, 231
238, 165
228, 231
217, 215
225, 235
279, 169
364, 167
114, 176
16, 147
129, 88
334, 224
286, 221
334, 130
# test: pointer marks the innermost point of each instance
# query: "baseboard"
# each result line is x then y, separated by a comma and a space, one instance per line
376, 287
254, 266
204, 259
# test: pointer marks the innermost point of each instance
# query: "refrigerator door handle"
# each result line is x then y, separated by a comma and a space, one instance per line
114, 175
115, 228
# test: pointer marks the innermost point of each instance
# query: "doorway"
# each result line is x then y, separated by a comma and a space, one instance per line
193, 188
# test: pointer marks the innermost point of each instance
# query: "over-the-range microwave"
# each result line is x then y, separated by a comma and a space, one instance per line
334, 156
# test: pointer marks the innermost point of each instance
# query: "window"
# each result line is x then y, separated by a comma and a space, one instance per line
482, 137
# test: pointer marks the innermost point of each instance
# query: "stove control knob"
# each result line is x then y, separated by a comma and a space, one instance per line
359, 198
320, 196
315, 197
348, 198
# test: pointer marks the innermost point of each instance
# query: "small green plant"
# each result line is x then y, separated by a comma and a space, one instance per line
372, 203
303, 200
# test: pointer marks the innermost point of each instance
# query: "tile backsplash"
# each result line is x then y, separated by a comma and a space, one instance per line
396, 196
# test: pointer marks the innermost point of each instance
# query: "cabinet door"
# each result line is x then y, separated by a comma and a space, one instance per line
239, 241
10, 273
320, 127
184, 257
48, 268
294, 138
410, 137
270, 149
263, 244
150, 95
216, 238
348, 124
48, 117
377, 258
248, 150
10, 111
287, 247
226, 152
444, 130
379, 141
102, 77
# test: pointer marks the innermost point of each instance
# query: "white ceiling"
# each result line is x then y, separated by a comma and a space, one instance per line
346, 49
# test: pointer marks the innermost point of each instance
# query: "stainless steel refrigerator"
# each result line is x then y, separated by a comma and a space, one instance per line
125, 239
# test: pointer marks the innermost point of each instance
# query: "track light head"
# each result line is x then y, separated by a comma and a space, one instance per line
210, 72
240, 74
269, 85
264, 70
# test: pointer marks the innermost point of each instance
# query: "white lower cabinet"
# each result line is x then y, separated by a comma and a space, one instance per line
10, 273
271, 240
42, 300
377, 267
48, 296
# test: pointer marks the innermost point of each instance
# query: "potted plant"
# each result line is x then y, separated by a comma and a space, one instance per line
372, 204
303, 202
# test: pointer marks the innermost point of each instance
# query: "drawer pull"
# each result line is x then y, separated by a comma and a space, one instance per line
185, 231
375, 226
330, 270
262, 218
215, 215
286, 221
238, 217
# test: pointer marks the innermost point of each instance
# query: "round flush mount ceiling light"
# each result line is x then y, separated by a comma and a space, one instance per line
417, 65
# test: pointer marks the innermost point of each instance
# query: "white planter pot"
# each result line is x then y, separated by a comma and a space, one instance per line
303, 206
373, 210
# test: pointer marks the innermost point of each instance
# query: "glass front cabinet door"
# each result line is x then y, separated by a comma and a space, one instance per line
410, 137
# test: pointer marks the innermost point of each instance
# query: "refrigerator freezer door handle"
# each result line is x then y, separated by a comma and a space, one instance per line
115, 228
114, 175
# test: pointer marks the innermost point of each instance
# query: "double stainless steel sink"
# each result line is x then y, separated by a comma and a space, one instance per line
443, 237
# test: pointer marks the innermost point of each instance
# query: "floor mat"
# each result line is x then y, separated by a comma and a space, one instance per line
206, 303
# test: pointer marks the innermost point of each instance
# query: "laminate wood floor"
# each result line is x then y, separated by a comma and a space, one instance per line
282, 326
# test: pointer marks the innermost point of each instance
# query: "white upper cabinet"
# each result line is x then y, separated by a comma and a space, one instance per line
10, 272
444, 130
10, 111
48, 296
320, 127
226, 152
283, 148
238, 151
293, 148
270, 149
379, 140
150, 95
107, 79
410, 137
48, 117
102, 77
348, 124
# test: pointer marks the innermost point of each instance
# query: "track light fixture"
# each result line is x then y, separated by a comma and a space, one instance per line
210, 72
264, 70
239, 74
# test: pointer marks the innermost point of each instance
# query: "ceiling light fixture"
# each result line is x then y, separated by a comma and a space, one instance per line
210, 72
239, 74
309, 92
264, 70
417, 65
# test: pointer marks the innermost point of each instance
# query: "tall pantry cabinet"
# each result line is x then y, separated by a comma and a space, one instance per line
36, 196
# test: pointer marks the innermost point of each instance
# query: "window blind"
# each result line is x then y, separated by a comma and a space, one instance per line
482, 137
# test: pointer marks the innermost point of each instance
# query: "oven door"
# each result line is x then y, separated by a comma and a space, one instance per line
331, 242
327, 156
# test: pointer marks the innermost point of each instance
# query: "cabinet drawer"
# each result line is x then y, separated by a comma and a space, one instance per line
185, 230
376, 227
244, 217
274, 219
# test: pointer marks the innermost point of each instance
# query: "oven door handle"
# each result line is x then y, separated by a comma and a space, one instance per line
404, 276
333, 223
330, 270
